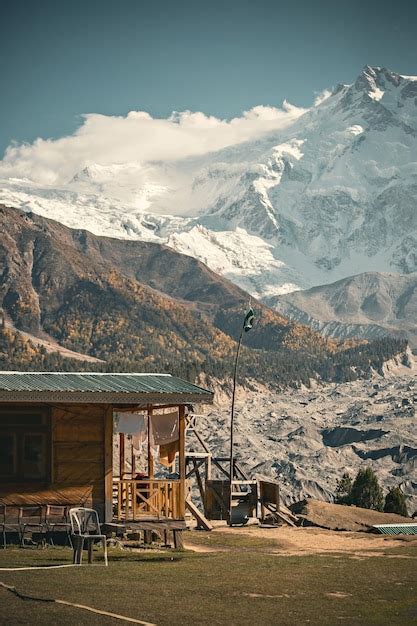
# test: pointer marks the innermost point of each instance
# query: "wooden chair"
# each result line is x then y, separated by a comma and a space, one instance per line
32, 519
56, 519
85, 527
9, 521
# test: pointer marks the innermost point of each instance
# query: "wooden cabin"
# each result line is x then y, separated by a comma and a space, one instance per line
56, 441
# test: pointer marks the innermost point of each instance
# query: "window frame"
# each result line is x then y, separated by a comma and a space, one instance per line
20, 431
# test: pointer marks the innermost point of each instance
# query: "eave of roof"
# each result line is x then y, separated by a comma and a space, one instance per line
81, 387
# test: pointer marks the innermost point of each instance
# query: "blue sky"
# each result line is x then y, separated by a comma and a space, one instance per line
60, 59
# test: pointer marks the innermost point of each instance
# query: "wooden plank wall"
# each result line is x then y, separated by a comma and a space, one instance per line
81, 468
78, 434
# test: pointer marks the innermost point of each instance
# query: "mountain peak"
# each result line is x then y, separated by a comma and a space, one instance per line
85, 174
375, 81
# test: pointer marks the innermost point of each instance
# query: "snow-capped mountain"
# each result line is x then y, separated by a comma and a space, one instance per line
332, 194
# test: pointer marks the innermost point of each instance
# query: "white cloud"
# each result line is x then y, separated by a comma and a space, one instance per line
139, 138
321, 97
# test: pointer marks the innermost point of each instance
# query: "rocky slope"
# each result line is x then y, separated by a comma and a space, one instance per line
331, 195
309, 437
368, 305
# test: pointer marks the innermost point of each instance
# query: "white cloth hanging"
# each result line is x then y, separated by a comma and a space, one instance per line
165, 428
131, 424
165, 434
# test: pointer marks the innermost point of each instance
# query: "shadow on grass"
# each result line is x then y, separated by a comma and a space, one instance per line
52, 556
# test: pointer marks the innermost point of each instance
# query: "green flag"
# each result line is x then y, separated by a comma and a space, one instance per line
248, 321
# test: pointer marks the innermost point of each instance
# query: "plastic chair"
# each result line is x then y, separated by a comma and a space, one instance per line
9, 521
85, 527
56, 520
32, 519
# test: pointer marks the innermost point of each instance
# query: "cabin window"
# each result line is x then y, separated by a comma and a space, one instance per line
7, 455
24, 446
34, 456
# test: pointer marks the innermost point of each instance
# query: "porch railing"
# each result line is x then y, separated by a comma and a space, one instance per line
149, 498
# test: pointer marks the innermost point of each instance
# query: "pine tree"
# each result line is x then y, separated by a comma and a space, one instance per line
366, 491
343, 489
395, 502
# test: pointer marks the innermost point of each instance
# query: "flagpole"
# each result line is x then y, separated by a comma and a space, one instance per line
247, 325
232, 419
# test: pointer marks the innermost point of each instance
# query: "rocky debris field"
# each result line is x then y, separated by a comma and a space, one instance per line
309, 437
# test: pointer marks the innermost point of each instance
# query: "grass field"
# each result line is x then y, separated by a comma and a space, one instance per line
241, 580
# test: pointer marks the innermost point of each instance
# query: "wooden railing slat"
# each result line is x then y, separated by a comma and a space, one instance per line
148, 497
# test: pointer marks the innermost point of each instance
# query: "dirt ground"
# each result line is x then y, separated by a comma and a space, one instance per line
287, 541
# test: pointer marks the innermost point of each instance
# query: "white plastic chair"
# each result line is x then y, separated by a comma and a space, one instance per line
85, 526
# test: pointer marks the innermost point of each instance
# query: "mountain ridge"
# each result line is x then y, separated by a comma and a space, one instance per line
367, 306
139, 306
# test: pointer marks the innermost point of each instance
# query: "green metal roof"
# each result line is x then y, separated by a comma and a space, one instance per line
397, 529
125, 388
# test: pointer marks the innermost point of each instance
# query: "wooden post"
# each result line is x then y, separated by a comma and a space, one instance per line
108, 464
134, 501
132, 460
181, 416
150, 457
121, 455
200, 484
208, 466
119, 501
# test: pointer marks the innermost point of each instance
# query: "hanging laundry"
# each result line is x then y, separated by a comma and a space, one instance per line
165, 433
167, 453
131, 424
165, 428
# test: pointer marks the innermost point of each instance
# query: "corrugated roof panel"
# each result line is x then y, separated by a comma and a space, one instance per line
397, 529
97, 383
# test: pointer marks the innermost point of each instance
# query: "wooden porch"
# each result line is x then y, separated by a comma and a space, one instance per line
146, 497
157, 499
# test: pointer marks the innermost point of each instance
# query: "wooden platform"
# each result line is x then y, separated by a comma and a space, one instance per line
168, 531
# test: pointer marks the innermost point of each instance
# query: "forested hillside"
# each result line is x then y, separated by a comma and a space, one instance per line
144, 307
